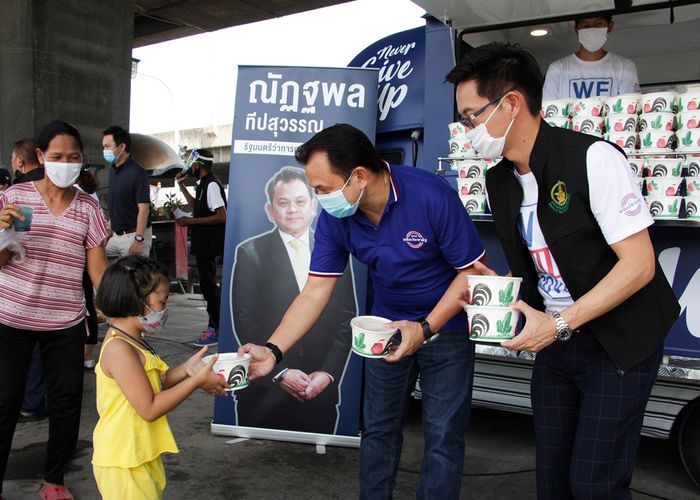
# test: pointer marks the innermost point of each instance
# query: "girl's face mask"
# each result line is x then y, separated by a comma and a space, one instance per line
154, 321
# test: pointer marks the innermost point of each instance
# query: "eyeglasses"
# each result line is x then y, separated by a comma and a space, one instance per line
468, 121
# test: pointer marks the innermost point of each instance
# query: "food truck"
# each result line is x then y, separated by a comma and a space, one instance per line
416, 107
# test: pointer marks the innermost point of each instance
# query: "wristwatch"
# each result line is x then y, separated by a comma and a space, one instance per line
427, 332
139, 238
564, 331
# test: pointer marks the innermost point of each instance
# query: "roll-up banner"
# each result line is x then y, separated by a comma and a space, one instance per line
269, 239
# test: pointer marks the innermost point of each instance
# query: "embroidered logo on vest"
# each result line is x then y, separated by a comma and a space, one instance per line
560, 198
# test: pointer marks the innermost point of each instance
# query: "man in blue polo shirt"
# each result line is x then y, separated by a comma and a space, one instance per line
413, 233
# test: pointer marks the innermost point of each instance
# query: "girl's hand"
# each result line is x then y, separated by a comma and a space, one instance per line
193, 365
7, 213
208, 381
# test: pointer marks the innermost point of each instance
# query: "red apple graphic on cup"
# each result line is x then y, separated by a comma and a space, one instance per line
377, 348
462, 173
465, 190
650, 187
661, 143
692, 105
620, 142
669, 126
619, 127
647, 107
631, 109
690, 187
692, 123
670, 191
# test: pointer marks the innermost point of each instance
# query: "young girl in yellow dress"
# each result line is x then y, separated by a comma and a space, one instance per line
135, 388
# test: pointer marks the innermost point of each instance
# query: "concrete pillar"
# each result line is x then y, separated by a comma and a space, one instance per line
68, 59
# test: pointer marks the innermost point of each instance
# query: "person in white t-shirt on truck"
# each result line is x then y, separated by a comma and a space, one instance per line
590, 71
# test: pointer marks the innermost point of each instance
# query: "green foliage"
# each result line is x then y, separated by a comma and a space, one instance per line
646, 142
617, 107
673, 207
656, 124
687, 140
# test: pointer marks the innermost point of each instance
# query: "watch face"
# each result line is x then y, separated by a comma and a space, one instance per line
138, 237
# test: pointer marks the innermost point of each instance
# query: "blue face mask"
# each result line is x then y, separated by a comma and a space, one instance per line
109, 156
335, 203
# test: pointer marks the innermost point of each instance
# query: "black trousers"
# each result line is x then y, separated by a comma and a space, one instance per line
206, 266
62, 359
588, 418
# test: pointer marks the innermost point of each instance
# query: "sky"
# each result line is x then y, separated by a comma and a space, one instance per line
190, 82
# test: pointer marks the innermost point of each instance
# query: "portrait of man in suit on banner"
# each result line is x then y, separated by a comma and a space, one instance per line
270, 269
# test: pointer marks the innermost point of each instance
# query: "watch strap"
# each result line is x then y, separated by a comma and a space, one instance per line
428, 334
276, 352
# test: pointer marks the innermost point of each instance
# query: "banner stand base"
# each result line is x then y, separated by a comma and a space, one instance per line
320, 440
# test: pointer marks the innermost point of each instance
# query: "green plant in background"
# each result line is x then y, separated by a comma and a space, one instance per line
617, 107
360, 342
171, 204
505, 297
656, 124
673, 207
646, 142
503, 326
676, 172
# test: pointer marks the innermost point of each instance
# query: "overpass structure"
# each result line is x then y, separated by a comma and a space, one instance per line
71, 59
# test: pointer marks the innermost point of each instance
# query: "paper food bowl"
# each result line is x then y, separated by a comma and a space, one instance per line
622, 123
663, 186
658, 102
689, 101
476, 185
692, 166
559, 121
370, 336
592, 125
688, 120
457, 130
637, 166
657, 140
657, 121
688, 139
461, 147
692, 204
593, 106
692, 187
626, 140
474, 203
624, 104
559, 108
664, 207
469, 169
664, 167
232, 368
492, 324
493, 290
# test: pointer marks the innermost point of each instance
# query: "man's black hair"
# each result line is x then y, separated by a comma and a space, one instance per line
346, 147
26, 149
55, 128
576, 21
499, 67
285, 175
126, 284
120, 135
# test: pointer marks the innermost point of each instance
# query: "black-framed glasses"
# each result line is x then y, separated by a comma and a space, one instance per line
468, 121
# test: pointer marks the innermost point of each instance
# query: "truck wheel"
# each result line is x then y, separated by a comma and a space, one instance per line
689, 440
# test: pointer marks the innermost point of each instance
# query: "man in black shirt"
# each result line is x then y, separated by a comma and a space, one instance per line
25, 164
207, 228
128, 197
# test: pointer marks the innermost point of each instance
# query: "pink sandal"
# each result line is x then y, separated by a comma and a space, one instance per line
55, 492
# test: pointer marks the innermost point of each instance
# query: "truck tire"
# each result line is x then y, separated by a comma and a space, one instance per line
689, 440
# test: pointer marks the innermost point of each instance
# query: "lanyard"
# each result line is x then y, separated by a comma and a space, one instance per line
140, 342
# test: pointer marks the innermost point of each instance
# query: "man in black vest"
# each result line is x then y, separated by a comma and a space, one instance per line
207, 233
573, 224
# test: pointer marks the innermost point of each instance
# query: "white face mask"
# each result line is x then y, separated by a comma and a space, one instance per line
63, 175
592, 39
489, 147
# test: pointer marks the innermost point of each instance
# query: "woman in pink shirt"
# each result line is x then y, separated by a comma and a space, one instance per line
61, 230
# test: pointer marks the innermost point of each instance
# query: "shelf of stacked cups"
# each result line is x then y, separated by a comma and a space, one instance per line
469, 169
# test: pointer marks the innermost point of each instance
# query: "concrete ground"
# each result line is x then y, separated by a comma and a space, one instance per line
499, 458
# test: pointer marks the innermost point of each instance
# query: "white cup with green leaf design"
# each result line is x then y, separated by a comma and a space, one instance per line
664, 207
492, 324
370, 336
689, 139
501, 291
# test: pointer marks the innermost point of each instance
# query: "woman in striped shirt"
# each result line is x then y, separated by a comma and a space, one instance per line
42, 297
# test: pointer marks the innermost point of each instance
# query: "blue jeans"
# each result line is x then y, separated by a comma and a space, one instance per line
446, 368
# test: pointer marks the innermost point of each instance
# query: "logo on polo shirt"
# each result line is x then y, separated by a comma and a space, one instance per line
631, 205
414, 239
560, 198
